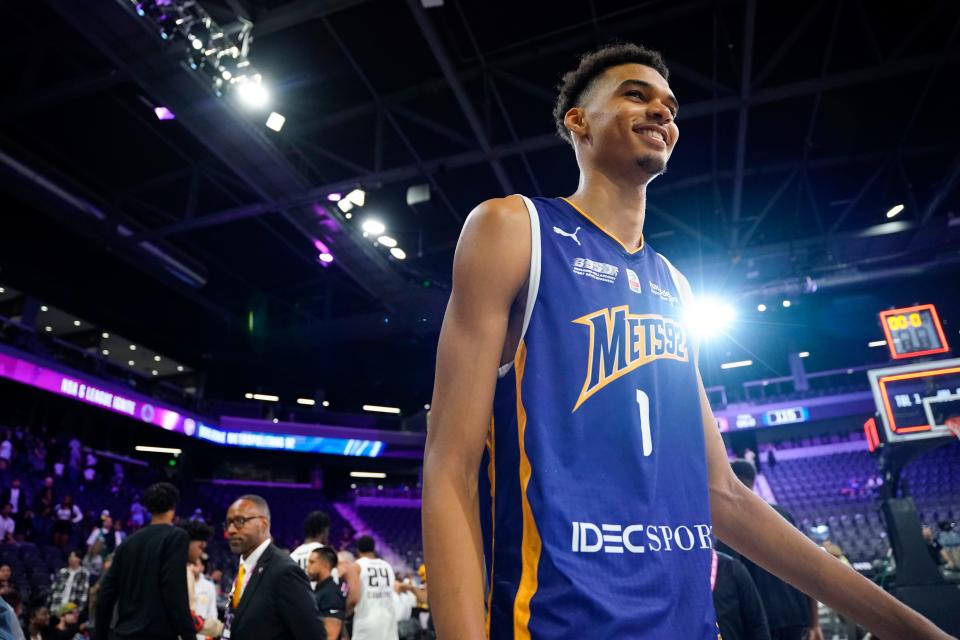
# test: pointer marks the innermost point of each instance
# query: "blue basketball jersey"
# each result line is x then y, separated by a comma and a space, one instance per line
593, 496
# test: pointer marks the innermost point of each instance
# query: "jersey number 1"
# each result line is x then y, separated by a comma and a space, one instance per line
644, 401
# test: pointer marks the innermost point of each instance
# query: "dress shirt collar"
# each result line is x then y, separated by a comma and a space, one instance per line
251, 561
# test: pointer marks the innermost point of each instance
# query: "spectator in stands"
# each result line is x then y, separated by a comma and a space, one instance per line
138, 514
199, 533
206, 598
330, 601
66, 515
740, 614
117, 536
950, 541
37, 458
38, 623
25, 528
6, 447
95, 593
76, 456
147, 581
68, 624
8, 525
197, 515
103, 529
59, 469
771, 458
6, 573
216, 577
5, 477
934, 547
10, 607
93, 560
790, 613
17, 498
72, 584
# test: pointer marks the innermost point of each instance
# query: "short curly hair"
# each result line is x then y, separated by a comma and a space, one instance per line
161, 497
575, 84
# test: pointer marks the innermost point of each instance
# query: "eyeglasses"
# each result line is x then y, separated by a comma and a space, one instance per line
239, 521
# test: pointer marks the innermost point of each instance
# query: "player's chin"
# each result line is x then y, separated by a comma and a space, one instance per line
654, 164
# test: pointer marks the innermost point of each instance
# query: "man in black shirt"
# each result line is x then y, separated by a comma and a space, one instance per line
148, 579
739, 610
330, 599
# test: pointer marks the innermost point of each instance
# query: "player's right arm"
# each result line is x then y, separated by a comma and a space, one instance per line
490, 268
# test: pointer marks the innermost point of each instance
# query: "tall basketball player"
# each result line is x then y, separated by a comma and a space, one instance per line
372, 596
571, 447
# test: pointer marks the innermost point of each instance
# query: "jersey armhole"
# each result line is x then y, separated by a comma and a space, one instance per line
533, 284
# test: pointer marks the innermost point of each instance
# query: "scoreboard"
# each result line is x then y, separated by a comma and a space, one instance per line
913, 331
914, 401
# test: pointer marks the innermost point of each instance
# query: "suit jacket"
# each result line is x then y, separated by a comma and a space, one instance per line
148, 584
22, 503
277, 603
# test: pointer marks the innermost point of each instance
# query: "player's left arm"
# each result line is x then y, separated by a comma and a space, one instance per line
750, 526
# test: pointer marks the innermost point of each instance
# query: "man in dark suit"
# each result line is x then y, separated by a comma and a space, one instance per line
148, 581
16, 496
271, 598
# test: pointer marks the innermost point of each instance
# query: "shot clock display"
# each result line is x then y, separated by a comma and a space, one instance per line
913, 331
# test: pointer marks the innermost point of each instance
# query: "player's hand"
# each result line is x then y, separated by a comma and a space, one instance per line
815, 633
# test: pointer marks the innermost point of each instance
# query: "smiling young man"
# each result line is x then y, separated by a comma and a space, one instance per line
572, 458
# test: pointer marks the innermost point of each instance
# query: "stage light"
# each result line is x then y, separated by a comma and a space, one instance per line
104, 335
894, 210
163, 113
426, 407
197, 44
48, 328
275, 421
133, 347
326, 257
253, 94
157, 358
367, 474
786, 304
708, 317
345, 206
155, 372
877, 343
334, 197
737, 364
398, 253
761, 307
348, 216
44, 308
379, 409
325, 403
266, 397
804, 354
373, 227
179, 367
105, 352
275, 121
309, 402
131, 363
2, 290
357, 197
387, 241
248, 396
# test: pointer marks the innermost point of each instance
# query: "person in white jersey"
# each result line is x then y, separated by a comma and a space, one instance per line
316, 534
372, 598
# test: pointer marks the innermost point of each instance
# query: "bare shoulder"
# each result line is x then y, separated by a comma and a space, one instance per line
497, 232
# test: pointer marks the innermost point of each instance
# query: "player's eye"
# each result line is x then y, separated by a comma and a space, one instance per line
635, 93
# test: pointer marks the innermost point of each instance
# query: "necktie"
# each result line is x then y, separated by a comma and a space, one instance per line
238, 586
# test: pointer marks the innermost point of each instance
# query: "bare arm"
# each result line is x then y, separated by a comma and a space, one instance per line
490, 268
353, 593
771, 542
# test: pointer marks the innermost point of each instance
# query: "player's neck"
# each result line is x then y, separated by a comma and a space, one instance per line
618, 207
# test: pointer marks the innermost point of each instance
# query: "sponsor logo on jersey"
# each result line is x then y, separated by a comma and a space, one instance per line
662, 293
597, 270
589, 537
572, 236
620, 342
633, 280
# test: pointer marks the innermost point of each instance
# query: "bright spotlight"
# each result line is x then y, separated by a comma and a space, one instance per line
275, 121
786, 304
387, 241
761, 307
894, 210
709, 317
373, 227
105, 335
326, 257
253, 94
357, 197
344, 205
398, 253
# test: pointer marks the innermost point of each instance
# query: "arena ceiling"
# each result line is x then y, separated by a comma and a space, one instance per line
801, 125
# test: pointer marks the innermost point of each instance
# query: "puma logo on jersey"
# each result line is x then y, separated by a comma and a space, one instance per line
573, 235
621, 342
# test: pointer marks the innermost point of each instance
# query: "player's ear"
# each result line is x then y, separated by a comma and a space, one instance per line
576, 122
